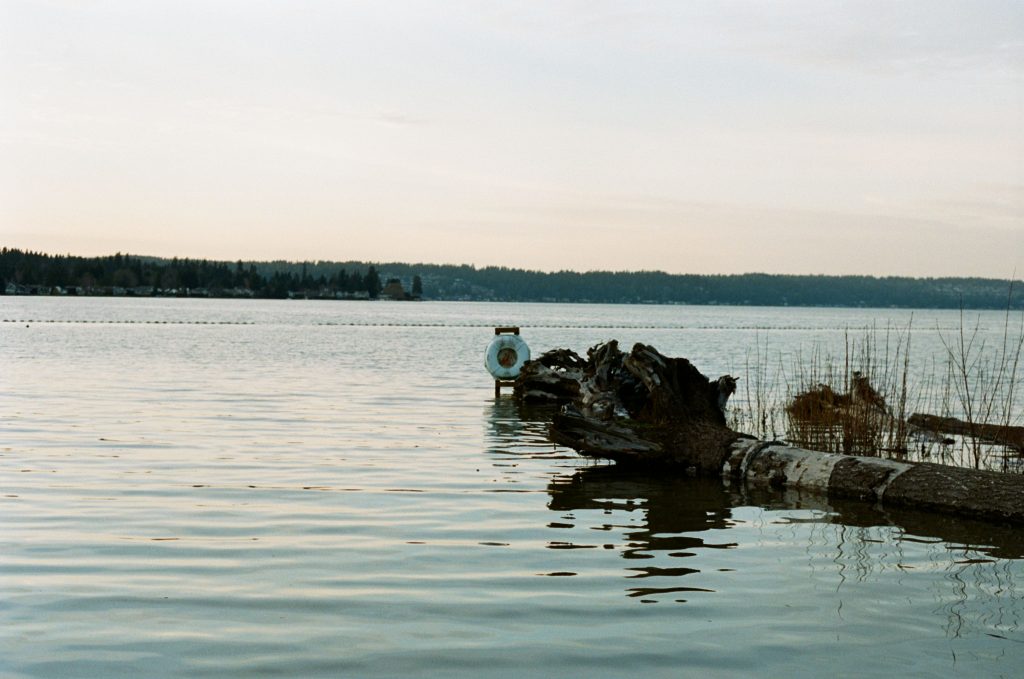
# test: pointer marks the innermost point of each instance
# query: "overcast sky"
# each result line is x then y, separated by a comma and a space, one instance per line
881, 138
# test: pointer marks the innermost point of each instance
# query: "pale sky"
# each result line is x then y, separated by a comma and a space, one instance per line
882, 138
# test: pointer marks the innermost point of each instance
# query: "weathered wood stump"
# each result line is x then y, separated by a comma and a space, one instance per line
644, 408
553, 377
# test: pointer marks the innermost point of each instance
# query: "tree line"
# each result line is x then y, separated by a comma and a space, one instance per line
39, 273
279, 279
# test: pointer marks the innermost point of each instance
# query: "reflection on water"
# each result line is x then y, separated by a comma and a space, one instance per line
517, 428
676, 537
674, 512
674, 516
991, 540
323, 490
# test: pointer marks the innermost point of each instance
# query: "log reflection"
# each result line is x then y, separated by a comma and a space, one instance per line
672, 508
962, 534
666, 516
674, 537
651, 516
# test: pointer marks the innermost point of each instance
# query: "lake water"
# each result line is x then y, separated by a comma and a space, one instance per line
215, 488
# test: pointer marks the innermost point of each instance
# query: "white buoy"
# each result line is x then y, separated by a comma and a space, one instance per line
505, 356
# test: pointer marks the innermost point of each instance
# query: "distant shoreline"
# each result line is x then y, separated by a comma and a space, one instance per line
28, 273
494, 301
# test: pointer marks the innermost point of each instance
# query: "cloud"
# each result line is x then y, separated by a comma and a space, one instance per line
916, 38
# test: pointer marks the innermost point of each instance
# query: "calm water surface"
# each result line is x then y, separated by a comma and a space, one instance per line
240, 488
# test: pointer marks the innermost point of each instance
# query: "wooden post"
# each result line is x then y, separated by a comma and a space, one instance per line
498, 384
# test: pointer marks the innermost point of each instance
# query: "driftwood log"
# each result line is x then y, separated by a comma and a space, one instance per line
1003, 435
644, 408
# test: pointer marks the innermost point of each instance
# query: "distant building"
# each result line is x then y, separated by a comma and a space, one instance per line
393, 290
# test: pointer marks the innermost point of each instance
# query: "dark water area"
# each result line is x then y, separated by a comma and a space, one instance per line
235, 489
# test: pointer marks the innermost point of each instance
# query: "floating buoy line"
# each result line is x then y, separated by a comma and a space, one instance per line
364, 324
122, 322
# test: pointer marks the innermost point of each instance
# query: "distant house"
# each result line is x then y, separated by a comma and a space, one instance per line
393, 290
359, 294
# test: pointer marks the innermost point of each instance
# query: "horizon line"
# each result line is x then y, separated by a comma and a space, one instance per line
378, 263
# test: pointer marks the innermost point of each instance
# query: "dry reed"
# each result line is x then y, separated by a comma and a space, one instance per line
859, 401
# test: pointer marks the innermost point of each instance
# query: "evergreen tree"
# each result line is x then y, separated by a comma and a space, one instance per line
372, 283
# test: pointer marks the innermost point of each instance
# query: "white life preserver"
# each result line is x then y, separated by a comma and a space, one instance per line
505, 355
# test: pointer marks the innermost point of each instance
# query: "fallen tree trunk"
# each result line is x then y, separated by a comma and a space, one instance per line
1003, 435
965, 492
643, 408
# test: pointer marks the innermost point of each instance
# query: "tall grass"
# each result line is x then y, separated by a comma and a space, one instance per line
760, 415
855, 403
858, 400
984, 382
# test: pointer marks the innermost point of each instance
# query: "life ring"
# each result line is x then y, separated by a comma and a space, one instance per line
505, 355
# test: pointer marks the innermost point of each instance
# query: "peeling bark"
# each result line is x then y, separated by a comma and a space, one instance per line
922, 485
